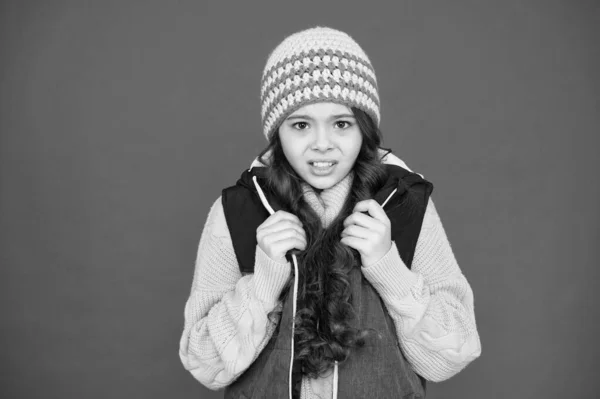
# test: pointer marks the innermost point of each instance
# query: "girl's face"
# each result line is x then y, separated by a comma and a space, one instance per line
321, 141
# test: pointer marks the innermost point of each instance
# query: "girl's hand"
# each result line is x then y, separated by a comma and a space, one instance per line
370, 234
278, 234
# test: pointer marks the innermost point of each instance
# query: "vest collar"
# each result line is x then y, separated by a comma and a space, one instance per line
392, 188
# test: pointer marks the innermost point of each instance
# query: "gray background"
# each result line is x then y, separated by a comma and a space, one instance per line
121, 122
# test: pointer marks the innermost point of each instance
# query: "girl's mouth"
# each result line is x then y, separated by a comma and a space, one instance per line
322, 168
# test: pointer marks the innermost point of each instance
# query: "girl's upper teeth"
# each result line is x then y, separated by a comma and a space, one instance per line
322, 164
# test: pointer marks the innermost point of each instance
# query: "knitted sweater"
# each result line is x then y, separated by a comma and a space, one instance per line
226, 324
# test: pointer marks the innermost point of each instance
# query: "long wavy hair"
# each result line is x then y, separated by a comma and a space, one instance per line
323, 332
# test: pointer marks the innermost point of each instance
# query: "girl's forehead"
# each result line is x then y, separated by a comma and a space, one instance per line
322, 109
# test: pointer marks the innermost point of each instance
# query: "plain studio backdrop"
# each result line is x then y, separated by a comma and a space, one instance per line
121, 121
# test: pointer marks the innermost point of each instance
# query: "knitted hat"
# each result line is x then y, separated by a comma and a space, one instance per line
313, 65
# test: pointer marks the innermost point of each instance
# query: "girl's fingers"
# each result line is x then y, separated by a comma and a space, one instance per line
280, 233
373, 208
356, 231
289, 243
279, 216
282, 225
354, 242
360, 219
284, 235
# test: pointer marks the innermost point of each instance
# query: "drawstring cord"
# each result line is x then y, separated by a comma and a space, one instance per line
264, 201
293, 319
388, 198
335, 380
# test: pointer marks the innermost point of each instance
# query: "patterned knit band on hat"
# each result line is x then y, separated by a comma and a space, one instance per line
313, 65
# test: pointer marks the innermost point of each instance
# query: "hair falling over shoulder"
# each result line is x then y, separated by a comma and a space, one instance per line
323, 332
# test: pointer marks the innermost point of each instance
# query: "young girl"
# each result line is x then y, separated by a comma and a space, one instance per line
325, 272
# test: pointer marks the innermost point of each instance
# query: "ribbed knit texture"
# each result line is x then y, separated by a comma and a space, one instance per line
316, 64
226, 324
328, 203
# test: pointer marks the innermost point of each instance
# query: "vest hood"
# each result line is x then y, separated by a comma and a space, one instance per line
250, 178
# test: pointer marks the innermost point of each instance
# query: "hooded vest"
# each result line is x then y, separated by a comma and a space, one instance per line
379, 369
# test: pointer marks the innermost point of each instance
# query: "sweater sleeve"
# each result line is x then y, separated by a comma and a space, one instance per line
226, 323
431, 304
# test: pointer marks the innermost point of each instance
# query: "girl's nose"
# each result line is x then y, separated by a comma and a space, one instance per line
322, 139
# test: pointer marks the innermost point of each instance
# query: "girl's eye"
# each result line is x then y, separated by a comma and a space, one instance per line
300, 125
343, 124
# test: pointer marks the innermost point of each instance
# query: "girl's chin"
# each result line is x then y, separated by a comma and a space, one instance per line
322, 182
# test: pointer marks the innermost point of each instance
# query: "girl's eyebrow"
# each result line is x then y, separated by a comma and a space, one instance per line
330, 118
